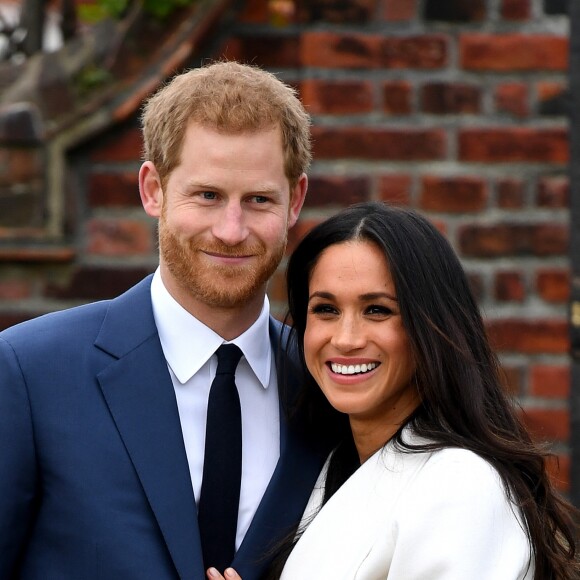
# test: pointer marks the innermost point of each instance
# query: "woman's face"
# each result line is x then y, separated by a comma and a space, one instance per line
355, 345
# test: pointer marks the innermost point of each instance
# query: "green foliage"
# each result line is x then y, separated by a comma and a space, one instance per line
91, 77
103, 9
117, 8
163, 8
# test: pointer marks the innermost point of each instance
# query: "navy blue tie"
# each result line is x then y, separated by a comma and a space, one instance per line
222, 466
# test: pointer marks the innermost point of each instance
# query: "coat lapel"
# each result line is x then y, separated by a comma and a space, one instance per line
140, 396
287, 494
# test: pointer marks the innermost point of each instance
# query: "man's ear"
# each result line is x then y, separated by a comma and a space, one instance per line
150, 189
297, 196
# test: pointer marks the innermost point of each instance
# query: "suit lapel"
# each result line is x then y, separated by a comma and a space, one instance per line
288, 491
140, 396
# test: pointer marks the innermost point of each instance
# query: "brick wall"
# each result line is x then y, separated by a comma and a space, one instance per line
454, 107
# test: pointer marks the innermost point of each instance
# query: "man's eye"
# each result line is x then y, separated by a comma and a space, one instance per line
260, 199
208, 195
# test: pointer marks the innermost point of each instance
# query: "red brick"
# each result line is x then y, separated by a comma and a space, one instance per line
514, 144
553, 100
488, 241
268, 50
379, 144
118, 146
302, 227
454, 11
442, 227
548, 90
114, 189
331, 50
255, 11
510, 193
548, 424
513, 52
550, 239
400, 10
429, 51
512, 98
558, 468
351, 12
512, 378
121, 237
395, 188
20, 165
8, 319
15, 289
443, 98
474, 279
277, 287
337, 97
553, 285
513, 239
550, 381
40, 254
554, 191
397, 97
516, 9
276, 13
96, 282
529, 336
509, 287
336, 191
453, 194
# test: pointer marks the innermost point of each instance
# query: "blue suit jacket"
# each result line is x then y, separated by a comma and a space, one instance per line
94, 480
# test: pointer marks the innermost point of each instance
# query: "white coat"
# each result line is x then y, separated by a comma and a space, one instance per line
440, 515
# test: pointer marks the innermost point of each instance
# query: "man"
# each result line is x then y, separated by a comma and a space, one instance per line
103, 407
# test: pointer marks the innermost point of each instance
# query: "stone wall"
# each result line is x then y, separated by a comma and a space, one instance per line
454, 107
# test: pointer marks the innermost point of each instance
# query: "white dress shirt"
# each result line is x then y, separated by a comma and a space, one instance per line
189, 347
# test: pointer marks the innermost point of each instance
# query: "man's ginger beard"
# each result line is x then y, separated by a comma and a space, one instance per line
220, 286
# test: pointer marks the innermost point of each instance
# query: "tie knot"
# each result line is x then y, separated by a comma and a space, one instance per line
229, 356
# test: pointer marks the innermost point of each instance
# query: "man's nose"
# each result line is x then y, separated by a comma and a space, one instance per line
230, 225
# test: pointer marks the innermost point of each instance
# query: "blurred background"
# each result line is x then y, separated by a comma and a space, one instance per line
459, 108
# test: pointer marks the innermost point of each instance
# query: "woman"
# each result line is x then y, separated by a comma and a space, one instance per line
433, 476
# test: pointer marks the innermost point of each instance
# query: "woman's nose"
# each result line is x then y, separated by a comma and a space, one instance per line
349, 335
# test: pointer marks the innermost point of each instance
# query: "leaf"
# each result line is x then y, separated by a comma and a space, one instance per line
115, 8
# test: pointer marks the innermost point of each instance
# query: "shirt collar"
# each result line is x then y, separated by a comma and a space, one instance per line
188, 343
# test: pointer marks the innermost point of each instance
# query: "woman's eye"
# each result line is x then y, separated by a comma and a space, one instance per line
323, 309
377, 310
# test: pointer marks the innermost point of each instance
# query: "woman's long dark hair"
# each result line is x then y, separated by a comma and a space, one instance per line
463, 402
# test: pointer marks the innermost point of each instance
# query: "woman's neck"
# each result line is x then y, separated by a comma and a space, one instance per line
369, 439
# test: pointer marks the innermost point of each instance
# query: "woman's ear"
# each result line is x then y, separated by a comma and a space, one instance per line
150, 189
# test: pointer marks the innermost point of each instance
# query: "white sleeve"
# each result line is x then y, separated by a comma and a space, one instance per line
456, 523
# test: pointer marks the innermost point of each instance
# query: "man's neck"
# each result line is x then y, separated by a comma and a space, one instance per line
229, 323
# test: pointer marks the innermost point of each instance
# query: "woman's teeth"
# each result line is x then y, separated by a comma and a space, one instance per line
352, 369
